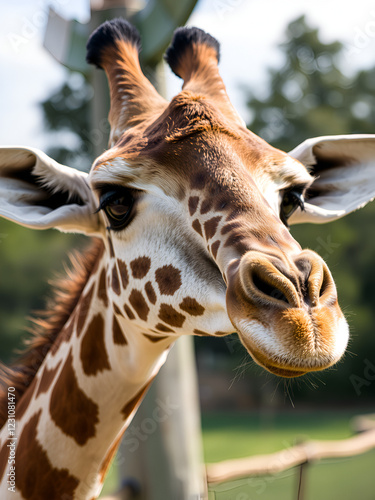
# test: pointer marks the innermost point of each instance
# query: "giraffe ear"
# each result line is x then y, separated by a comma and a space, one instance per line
37, 192
344, 171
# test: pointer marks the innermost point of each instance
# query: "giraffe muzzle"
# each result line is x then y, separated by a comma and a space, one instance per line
286, 312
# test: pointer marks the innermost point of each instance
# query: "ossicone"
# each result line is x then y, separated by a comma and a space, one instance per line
114, 47
194, 56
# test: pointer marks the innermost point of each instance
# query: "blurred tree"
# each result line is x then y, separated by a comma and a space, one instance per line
67, 118
309, 96
30, 259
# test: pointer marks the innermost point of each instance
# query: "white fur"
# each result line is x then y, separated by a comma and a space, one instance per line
22, 201
350, 186
267, 341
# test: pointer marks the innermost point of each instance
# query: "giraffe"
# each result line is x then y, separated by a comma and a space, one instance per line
188, 213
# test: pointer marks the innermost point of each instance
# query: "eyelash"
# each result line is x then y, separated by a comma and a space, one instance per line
295, 198
117, 203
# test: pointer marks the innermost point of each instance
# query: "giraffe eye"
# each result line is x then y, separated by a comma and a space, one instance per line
117, 205
290, 202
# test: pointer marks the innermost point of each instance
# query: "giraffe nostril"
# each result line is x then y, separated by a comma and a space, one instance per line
263, 282
268, 289
317, 283
325, 285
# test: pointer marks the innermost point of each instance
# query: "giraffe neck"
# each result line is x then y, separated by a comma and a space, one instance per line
82, 398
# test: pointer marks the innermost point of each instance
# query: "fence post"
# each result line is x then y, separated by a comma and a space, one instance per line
302, 481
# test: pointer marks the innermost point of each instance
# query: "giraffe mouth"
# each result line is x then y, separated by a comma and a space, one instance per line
281, 372
285, 355
297, 330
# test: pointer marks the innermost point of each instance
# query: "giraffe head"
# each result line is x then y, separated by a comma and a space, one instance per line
194, 209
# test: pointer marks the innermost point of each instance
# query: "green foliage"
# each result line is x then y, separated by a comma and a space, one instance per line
29, 259
310, 95
67, 112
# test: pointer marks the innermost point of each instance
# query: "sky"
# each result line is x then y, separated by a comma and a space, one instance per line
249, 31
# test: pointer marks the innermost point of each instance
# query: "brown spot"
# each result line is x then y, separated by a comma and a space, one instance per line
215, 247
150, 292
129, 312
193, 204
110, 245
4, 452
220, 334
191, 306
196, 225
202, 333
168, 279
25, 400
139, 304
117, 310
210, 227
171, 316
39, 479
140, 267
237, 241
123, 273
84, 307
163, 328
102, 288
71, 410
130, 406
115, 281
228, 227
155, 338
206, 206
234, 214
93, 353
118, 334
47, 379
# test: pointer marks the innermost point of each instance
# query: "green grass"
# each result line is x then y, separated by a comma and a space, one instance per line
344, 479
236, 435
227, 436
232, 436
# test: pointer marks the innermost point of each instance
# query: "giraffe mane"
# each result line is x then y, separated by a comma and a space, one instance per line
46, 328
